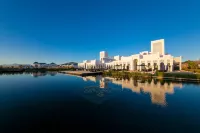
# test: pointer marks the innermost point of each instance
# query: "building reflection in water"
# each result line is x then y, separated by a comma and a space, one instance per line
92, 78
156, 90
100, 90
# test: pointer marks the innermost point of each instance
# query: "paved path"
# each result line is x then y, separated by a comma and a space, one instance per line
81, 73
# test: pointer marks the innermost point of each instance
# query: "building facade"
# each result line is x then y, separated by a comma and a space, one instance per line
157, 59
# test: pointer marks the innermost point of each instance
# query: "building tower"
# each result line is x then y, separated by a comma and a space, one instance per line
103, 54
158, 46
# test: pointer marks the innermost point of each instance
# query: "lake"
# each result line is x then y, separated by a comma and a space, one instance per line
53, 102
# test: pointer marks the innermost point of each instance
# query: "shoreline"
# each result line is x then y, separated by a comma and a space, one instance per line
17, 70
182, 77
82, 73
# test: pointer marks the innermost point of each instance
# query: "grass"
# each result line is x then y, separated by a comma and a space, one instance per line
178, 75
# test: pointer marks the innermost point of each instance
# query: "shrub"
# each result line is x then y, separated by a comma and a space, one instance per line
160, 74
198, 76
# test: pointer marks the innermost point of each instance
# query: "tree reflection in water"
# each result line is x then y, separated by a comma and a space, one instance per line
39, 74
34, 74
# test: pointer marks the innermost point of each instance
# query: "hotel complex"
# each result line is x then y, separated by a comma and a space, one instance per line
157, 59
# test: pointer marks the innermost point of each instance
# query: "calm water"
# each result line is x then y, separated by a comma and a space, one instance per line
60, 103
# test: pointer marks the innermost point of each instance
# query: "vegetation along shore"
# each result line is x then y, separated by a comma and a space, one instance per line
116, 73
159, 75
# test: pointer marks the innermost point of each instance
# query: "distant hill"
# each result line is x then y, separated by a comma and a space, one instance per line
15, 64
190, 64
70, 63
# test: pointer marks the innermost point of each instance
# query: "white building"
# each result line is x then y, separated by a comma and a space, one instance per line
70, 65
89, 64
154, 60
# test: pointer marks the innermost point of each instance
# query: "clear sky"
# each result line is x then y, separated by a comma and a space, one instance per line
73, 30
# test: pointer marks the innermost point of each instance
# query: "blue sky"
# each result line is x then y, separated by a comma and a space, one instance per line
73, 30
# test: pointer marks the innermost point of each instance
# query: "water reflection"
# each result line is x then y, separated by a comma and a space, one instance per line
34, 74
156, 89
92, 78
39, 74
99, 92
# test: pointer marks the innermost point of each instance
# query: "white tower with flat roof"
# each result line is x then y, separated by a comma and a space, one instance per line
158, 46
103, 54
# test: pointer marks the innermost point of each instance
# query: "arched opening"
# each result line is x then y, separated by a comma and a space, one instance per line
168, 67
85, 66
124, 67
149, 67
120, 67
135, 64
155, 66
128, 67
162, 66
116, 66
143, 68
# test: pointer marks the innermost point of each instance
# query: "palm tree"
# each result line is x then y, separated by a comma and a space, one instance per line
124, 67
118, 66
